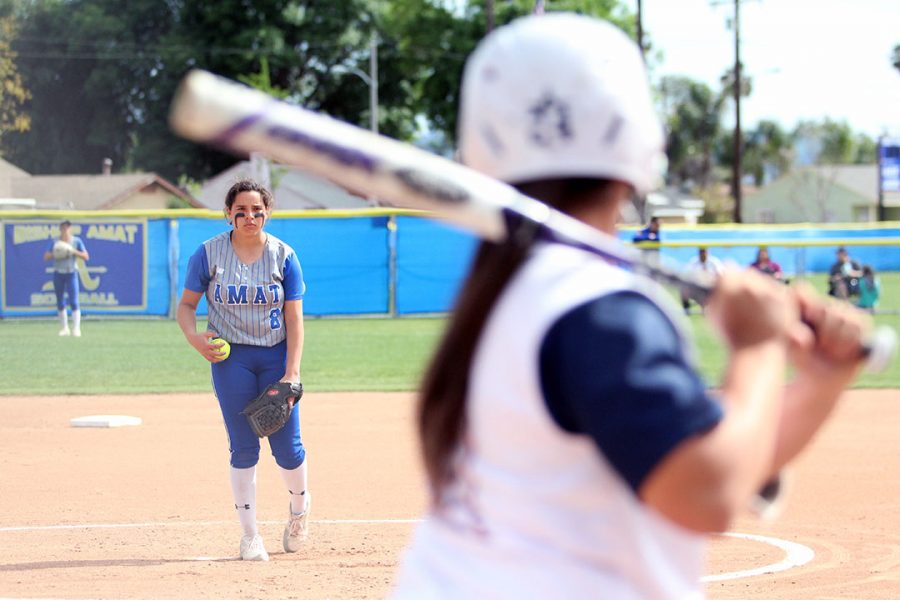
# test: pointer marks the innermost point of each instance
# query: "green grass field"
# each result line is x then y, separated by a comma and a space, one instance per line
151, 356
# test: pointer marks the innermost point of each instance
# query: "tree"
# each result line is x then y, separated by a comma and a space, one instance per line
102, 78
306, 52
895, 59
866, 150
767, 151
832, 142
432, 43
13, 94
692, 114
86, 63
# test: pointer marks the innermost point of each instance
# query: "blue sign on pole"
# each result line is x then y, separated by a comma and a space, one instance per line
114, 279
889, 164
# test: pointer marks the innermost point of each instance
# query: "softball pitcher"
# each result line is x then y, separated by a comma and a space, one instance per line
254, 288
65, 252
571, 448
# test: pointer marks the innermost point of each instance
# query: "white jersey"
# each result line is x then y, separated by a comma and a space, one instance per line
580, 531
246, 301
69, 264
712, 265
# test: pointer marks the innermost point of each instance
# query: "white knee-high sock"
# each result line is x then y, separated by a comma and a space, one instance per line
76, 319
63, 319
295, 480
243, 487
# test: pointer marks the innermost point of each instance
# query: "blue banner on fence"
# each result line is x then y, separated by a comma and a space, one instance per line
114, 279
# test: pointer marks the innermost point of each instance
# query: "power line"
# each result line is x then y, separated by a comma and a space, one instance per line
415, 52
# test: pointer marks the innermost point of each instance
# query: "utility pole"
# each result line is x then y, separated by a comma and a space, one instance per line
640, 30
640, 201
737, 175
373, 84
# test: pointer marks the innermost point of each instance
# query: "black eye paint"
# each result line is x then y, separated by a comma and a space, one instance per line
259, 216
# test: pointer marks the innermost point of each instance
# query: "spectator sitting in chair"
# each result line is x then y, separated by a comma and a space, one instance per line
869, 290
843, 277
765, 265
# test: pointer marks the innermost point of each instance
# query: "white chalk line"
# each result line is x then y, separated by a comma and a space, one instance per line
198, 524
796, 555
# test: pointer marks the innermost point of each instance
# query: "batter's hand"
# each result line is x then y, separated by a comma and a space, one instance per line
826, 346
750, 308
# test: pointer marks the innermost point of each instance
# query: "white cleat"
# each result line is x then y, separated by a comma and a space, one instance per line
76, 332
64, 332
296, 530
252, 548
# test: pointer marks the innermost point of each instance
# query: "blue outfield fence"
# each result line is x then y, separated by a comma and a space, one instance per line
373, 261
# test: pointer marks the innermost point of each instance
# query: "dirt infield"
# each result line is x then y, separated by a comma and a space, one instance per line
145, 512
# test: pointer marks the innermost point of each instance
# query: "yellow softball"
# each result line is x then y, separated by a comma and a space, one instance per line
224, 348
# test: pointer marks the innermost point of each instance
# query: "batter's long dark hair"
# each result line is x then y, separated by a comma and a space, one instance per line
442, 402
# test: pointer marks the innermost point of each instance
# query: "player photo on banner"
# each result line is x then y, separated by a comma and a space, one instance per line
113, 279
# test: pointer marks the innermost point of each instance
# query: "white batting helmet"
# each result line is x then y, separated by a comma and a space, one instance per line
560, 95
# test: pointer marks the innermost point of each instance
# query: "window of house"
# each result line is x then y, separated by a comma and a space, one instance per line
863, 214
765, 215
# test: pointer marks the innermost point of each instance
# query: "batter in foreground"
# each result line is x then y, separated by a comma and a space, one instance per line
572, 450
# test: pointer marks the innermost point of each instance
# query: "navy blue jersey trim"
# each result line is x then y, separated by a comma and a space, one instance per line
615, 369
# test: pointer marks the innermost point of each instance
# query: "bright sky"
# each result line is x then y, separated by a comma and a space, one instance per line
808, 58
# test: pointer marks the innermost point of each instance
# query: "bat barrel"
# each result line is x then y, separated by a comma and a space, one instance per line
880, 348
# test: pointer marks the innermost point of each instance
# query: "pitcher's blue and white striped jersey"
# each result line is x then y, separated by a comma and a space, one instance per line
246, 301
581, 384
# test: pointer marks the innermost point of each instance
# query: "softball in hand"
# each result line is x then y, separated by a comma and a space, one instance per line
62, 250
224, 348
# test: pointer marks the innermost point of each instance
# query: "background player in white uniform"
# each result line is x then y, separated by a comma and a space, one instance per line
65, 277
571, 448
254, 289
702, 263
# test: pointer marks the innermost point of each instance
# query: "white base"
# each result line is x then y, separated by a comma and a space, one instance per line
105, 421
